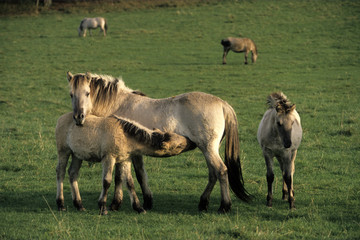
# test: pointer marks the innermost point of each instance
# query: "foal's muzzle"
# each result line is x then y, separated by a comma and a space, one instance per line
79, 119
287, 143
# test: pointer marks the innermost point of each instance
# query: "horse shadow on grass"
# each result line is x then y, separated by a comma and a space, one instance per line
44, 201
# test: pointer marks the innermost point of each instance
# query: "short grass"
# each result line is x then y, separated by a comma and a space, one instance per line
307, 49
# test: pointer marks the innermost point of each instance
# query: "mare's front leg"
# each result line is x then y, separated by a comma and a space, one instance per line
108, 163
268, 155
142, 179
63, 158
73, 176
118, 194
246, 56
126, 175
226, 50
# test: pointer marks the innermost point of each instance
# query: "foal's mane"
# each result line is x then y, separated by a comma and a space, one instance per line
279, 101
142, 134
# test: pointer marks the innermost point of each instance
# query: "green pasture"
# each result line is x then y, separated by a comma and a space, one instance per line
307, 49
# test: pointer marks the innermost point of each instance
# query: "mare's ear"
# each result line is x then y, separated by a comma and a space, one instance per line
69, 76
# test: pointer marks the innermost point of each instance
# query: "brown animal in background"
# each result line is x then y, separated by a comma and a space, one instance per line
239, 45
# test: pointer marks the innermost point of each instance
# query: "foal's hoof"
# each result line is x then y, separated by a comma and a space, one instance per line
82, 209
61, 209
115, 206
141, 211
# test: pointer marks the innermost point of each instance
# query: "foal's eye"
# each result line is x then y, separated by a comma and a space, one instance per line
87, 94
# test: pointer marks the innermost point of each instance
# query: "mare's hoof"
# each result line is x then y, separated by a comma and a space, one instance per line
224, 63
148, 203
224, 208
203, 205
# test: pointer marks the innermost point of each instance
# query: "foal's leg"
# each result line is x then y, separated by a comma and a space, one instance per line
226, 50
142, 179
289, 168
118, 194
108, 163
73, 175
63, 158
126, 175
269, 175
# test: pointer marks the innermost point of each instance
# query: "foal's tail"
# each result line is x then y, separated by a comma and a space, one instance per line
232, 158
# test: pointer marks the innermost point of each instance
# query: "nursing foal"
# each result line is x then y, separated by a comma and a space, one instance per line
111, 141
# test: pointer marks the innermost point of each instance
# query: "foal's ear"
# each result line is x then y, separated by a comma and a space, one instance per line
292, 107
69, 76
279, 108
88, 76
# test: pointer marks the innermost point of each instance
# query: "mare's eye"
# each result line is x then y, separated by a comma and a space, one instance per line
87, 94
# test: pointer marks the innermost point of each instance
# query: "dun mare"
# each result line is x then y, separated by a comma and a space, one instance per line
111, 141
202, 118
279, 135
239, 45
92, 23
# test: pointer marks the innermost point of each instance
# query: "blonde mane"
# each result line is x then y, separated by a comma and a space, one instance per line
104, 90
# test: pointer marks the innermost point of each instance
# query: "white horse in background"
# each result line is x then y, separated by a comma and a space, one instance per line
92, 23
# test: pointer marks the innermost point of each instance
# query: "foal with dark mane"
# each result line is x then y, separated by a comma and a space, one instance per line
279, 135
111, 141
203, 118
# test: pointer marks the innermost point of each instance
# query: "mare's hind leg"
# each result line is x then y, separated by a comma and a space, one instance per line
142, 179
118, 194
60, 175
108, 166
73, 176
216, 168
205, 197
269, 175
126, 175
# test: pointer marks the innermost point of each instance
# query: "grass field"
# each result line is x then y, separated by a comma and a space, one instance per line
307, 49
